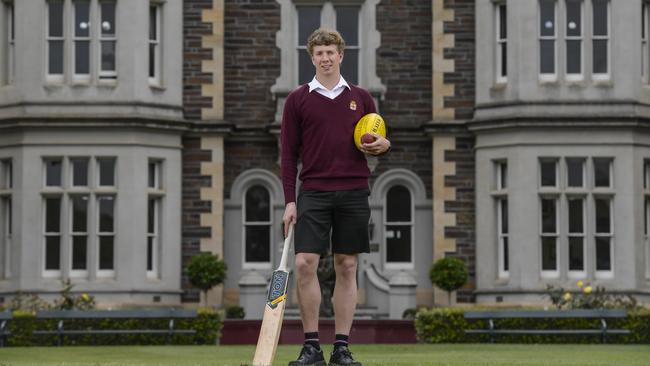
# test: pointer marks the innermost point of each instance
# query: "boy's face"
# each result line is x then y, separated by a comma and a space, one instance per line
327, 60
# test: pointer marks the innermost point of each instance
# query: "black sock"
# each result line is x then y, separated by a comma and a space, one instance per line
312, 339
341, 340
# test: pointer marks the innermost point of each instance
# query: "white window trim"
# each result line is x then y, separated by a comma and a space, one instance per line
603, 76
55, 78
270, 223
108, 76
556, 272
398, 265
500, 43
158, 187
573, 76
78, 273
548, 77
581, 188
156, 80
11, 43
502, 272
600, 274
575, 274
7, 231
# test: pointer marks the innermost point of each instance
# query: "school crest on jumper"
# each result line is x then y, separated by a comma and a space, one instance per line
353, 105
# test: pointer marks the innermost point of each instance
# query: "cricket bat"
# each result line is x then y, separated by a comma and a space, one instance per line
267, 343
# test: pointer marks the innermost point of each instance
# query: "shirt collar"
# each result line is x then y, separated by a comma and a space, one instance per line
315, 84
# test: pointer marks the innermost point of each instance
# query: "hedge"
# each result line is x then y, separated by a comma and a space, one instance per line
207, 324
447, 325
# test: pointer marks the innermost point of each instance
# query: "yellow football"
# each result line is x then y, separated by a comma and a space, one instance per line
368, 124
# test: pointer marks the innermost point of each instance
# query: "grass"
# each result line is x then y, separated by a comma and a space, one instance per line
369, 355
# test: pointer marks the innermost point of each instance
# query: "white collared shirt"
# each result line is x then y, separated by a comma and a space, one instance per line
314, 84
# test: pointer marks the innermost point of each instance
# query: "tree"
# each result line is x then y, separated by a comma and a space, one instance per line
205, 271
449, 274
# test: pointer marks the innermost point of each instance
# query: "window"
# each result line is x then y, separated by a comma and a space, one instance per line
9, 61
86, 37
344, 18
55, 41
600, 36
646, 211
502, 43
79, 216
548, 170
549, 237
79, 235
603, 235
574, 39
6, 217
153, 236
399, 227
576, 235
154, 214
547, 37
257, 227
501, 199
155, 59
602, 172
81, 40
644, 42
575, 172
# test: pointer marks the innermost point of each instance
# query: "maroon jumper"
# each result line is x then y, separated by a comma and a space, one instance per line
320, 131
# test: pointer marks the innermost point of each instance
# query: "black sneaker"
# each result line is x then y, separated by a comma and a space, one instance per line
341, 356
309, 356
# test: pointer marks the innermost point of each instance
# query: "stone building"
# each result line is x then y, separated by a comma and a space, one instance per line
136, 134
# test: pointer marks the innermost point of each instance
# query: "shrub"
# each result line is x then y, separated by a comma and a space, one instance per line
205, 271
235, 312
588, 297
449, 274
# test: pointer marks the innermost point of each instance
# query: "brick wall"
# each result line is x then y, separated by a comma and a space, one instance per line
193, 78
252, 61
404, 61
244, 155
465, 230
193, 207
463, 55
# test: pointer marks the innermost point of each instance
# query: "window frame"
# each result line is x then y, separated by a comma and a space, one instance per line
6, 216
257, 265
80, 78
50, 77
575, 274
156, 80
604, 274
594, 75
501, 43
503, 239
104, 76
385, 223
52, 273
78, 273
154, 253
9, 72
567, 38
548, 77
105, 273
546, 273
645, 52
646, 210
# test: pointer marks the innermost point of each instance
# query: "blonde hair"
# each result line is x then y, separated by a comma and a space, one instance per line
325, 37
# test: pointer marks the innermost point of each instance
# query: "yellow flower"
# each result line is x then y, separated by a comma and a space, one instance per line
587, 290
580, 284
567, 296
85, 297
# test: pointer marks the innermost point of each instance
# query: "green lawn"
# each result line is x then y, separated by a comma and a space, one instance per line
431, 355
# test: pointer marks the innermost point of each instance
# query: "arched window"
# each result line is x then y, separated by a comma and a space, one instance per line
257, 225
399, 225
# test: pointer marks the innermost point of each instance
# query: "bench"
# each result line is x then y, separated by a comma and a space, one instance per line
5, 317
601, 314
67, 315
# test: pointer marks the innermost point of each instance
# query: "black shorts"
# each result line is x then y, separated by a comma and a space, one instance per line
342, 214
